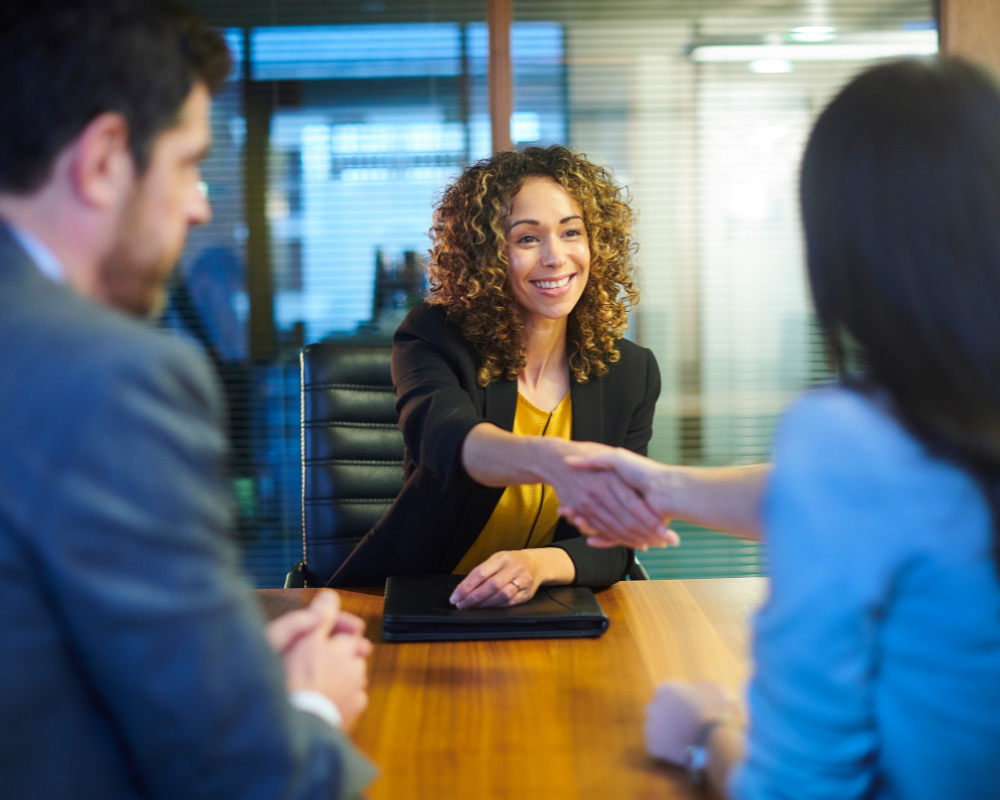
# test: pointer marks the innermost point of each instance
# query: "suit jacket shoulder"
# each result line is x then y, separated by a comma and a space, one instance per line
113, 548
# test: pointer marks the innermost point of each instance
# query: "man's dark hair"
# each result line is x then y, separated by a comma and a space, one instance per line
901, 208
65, 62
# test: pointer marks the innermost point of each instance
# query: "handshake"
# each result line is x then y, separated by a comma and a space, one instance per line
616, 497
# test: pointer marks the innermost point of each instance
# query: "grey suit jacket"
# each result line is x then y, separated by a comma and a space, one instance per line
132, 658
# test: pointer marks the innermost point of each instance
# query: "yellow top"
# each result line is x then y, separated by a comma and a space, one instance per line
526, 516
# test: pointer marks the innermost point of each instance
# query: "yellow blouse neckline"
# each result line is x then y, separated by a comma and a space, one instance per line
522, 399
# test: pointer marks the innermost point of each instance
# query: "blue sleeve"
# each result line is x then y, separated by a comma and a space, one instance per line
829, 547
148, 593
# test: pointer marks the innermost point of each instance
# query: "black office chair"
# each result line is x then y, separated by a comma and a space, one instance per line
352, 453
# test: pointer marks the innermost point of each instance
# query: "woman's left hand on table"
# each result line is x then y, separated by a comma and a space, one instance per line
507, 578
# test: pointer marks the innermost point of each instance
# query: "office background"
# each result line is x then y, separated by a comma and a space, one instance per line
344, 120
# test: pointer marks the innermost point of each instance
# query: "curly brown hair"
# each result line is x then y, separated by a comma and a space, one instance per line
468, 272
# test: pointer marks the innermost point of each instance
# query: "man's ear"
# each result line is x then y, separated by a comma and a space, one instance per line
102, 169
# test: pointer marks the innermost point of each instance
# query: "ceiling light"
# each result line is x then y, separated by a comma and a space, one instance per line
880, 44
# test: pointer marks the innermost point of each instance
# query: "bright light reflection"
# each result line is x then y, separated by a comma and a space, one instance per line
771, 66
809, 37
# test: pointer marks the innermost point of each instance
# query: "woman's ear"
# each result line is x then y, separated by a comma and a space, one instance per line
102, 170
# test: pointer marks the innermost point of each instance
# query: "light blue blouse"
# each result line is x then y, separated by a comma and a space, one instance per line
878, 651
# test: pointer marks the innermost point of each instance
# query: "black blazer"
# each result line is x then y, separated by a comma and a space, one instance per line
441, 510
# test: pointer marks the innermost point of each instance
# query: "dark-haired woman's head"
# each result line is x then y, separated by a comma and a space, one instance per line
470, 259
901, 208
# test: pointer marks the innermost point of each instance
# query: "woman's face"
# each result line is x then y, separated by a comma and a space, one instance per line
547, 248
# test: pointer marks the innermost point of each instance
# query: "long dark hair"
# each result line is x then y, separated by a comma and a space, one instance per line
901, 207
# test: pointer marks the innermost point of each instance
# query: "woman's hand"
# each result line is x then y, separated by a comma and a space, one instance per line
600, 502
613, 510
679, 712
722, 498
512, 577
644, 477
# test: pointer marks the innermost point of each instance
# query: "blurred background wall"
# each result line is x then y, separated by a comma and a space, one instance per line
343, 121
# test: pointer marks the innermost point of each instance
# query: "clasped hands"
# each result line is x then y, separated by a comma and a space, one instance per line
323, 649
618, 498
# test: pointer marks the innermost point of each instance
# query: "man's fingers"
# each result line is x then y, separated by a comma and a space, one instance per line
326, 607
283, 632
348, 623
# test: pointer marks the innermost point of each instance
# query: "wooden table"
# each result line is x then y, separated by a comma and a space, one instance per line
555, 718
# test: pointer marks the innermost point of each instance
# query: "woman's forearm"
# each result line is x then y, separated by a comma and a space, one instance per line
724, 498
555, 567
495, 457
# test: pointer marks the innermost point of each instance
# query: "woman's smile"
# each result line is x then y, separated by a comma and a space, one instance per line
554, 287
548, 249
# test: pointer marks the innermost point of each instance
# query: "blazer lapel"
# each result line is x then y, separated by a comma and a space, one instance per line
501, 404
588, 410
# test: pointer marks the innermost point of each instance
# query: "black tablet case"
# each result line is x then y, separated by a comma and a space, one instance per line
417, 610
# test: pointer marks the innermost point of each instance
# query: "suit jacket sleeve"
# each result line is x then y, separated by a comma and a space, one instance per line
603, 567
433, 372
149, 595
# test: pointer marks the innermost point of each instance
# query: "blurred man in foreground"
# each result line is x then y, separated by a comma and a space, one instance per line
133, 659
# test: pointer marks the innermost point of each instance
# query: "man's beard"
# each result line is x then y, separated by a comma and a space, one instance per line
132, 287
132, 277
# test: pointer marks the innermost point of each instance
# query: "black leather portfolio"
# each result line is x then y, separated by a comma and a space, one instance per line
417, 610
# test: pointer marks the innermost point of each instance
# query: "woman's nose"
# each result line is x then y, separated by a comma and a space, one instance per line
552, 255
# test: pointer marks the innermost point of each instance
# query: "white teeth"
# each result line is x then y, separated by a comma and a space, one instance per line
552, 284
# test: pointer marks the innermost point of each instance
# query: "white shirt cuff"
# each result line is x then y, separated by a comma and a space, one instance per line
319, 704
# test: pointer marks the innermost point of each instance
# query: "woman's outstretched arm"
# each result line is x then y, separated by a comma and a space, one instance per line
494, 457
723, 498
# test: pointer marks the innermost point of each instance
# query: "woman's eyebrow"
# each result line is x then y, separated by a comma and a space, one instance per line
522, 222
563, 221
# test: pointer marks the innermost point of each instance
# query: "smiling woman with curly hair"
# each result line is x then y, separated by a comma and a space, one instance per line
469, 262
515, 361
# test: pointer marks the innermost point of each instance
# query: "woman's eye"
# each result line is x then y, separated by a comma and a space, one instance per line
573, 232
526, 239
